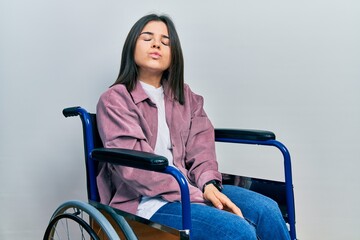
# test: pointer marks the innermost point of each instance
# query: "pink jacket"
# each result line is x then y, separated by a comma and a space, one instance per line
129, 120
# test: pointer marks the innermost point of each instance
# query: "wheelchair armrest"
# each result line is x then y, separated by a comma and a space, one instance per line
244, 134
147, 161
130, 158
71, 111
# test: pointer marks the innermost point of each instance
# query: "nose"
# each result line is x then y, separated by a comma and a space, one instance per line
156, 44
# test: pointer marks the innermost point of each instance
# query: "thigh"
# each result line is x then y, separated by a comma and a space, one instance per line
207, 222
247, 200
262, 212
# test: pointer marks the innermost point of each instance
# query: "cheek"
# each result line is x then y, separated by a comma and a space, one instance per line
168, 57
138, 54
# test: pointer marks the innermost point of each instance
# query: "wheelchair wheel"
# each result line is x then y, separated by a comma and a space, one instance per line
77, 220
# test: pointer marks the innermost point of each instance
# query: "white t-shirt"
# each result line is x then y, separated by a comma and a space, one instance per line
149, 205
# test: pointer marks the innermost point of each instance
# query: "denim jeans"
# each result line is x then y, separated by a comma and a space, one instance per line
263, 219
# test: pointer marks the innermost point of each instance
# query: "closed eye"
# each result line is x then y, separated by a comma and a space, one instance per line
148, 36
165, 40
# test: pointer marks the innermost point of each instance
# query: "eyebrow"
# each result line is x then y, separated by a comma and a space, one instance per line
150, 33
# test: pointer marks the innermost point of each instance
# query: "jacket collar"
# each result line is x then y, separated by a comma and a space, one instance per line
138, 94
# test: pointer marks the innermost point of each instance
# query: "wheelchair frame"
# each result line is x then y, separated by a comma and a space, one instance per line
95, 152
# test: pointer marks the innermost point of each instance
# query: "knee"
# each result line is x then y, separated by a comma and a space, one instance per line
223, 226
271, 208
238, 229
244, 232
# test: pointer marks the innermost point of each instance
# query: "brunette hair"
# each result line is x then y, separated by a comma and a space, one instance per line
174, 75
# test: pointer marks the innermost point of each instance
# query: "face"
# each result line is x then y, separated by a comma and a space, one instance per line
152, 50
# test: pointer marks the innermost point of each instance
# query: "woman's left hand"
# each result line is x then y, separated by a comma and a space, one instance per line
220, 200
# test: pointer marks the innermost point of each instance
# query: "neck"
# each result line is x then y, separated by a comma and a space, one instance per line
152, 79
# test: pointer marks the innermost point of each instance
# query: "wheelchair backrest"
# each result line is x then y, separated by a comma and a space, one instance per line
91, 140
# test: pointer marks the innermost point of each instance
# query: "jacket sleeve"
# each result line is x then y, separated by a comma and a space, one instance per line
121, 125
200, 154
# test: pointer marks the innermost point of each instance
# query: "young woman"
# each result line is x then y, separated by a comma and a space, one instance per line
149, 108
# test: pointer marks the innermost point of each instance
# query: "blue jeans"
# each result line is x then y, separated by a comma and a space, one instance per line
263, 219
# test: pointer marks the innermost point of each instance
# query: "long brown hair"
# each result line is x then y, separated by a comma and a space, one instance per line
174, 75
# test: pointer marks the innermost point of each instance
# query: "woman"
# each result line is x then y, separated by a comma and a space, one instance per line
149, 108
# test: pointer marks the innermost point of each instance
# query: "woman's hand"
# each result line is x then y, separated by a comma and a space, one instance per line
220, 200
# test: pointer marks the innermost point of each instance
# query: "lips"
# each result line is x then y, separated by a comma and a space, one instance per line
155, 55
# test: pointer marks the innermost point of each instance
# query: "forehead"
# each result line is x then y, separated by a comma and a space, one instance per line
156, 27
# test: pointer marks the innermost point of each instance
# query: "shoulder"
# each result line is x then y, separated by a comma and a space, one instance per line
192, 97
114, 95
118, 89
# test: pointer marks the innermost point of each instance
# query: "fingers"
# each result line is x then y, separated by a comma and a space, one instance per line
231, 207
220, 200
227, 204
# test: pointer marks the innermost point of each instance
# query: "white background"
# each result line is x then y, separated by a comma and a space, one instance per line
292, 67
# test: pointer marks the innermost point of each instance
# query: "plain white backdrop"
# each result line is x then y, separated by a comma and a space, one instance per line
292, 67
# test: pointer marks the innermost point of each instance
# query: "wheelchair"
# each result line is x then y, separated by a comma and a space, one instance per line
104, 222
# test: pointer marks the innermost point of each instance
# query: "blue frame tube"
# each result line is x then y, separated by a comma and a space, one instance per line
89, 146
288, 175
185, 199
